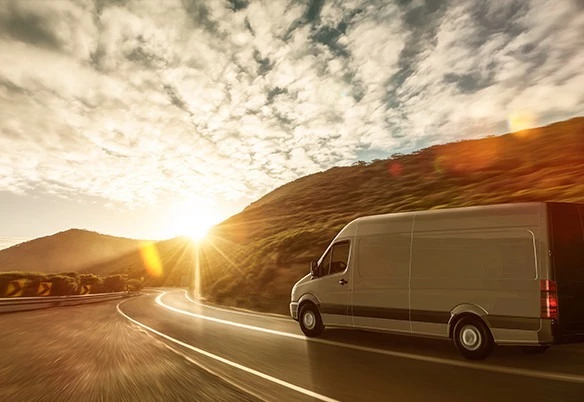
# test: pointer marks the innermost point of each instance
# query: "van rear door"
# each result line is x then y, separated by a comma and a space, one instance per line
567, 259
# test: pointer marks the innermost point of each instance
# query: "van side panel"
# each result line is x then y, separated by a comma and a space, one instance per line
485, 257
381, 274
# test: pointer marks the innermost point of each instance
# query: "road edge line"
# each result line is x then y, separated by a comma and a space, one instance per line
205, 368
280, 317
227, 361
547, 375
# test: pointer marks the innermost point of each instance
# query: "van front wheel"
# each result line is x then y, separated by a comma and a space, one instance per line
473, 339
310, 320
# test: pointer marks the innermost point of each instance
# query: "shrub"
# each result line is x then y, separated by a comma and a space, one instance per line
63, 285
114, 283
134, 285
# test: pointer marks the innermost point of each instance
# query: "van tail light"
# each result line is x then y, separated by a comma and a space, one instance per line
549, 299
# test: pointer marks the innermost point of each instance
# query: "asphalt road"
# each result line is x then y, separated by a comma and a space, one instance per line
163, 346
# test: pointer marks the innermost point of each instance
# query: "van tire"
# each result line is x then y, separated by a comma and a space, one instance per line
473, 338
310, 320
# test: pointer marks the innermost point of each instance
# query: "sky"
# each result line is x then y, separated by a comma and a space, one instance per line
142, 118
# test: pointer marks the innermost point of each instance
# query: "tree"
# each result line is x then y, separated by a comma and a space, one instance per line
114, 283
75, 277
62, 285
134, 285
88, 279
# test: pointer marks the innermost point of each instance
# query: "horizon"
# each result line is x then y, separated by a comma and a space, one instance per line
143, 123
14, 242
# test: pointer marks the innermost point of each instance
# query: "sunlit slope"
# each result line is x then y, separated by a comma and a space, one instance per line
257, 255
168, 262
157, 263
72, 250
252, 259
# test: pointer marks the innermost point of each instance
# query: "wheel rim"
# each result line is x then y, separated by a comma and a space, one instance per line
470, 337
309, 320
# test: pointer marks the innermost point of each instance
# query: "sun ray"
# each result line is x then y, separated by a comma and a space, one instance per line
216, 248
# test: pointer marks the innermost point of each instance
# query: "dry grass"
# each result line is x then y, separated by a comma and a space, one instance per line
252, 259
267, 247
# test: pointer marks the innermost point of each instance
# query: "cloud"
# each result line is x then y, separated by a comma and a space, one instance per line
136, 104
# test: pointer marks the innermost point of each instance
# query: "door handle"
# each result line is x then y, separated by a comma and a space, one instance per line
342, 281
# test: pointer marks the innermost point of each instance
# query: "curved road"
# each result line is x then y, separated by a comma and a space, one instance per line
164, 346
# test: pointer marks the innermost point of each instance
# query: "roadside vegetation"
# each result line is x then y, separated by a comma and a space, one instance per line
258, 254
25, 284
252, 259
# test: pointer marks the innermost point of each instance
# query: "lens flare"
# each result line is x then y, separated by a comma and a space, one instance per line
151, 259
395, 169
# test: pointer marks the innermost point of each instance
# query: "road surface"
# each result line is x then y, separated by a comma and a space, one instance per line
164, 346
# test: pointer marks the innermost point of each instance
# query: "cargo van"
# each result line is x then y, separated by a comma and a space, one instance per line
510, 274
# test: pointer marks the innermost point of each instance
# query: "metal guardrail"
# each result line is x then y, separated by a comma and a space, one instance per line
12, 304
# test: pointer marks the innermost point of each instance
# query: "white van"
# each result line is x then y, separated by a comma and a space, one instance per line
509, 274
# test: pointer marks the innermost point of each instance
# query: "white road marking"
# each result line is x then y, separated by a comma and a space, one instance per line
232, 323
229, 362
227, 310
548, 375
202, 366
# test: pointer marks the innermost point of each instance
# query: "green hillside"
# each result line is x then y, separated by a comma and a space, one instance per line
71, 250
253, 258
163, 263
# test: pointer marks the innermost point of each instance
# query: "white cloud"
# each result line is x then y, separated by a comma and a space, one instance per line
136, 103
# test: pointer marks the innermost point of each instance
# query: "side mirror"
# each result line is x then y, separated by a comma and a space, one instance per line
314, 269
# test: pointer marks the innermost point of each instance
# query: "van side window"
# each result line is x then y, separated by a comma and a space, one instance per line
336, 259
340, 257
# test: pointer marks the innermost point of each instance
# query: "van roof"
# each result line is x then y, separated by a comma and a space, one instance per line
508, 207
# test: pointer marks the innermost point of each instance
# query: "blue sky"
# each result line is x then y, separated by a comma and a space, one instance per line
138, 120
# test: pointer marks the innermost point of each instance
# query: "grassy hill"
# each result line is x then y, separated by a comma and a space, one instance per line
156, 263
253, 258
164, 263
72, 250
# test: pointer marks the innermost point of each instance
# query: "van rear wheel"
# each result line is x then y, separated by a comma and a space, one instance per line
310, 320
473, 339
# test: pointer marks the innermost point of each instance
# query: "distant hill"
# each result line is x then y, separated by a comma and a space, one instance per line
267, 247
158, 263
163, 263
72, 250
252, 259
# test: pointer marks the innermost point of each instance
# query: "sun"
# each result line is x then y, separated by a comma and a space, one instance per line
520, 121
193, 218
198, 233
